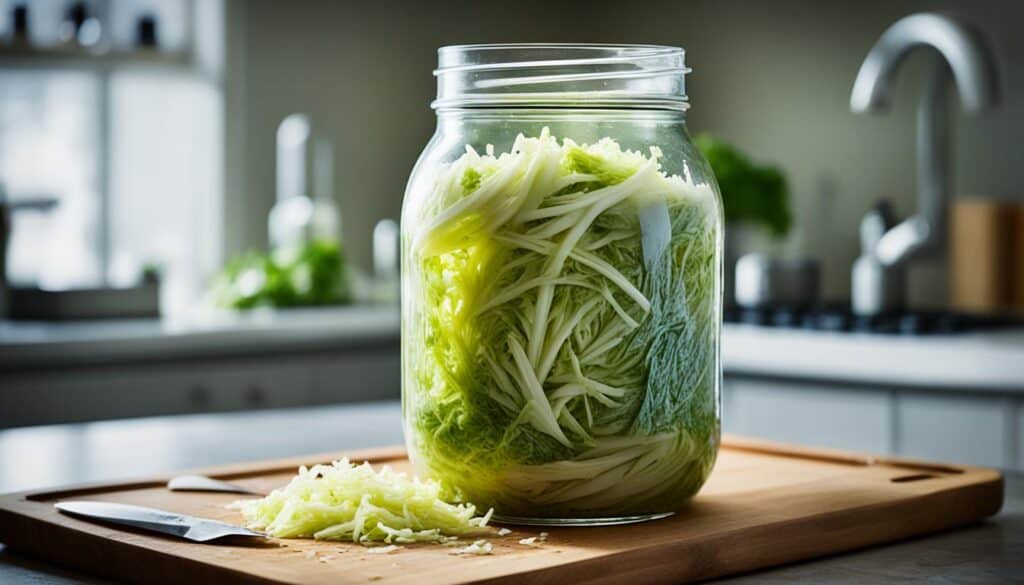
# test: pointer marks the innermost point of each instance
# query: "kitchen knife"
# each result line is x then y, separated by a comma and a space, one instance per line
201, 483
180, 525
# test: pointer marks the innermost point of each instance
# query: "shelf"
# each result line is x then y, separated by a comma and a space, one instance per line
65, 58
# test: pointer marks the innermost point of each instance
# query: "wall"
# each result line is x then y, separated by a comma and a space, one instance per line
772, 77
363, 71
775, 78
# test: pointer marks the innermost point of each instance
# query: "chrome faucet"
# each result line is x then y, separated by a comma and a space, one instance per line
878, 273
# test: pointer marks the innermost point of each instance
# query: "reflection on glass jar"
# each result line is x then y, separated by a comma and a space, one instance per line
561, 286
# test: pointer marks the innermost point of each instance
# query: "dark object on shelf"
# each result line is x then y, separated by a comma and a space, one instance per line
19, 24
33, 304
840, 318
80, 25
146, 33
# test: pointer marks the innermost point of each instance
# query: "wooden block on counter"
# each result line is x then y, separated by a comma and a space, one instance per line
980, 255
1017, 259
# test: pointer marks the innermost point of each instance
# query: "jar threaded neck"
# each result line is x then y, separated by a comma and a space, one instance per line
561, 75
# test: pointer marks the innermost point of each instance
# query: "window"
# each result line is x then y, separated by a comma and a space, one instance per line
128, 146
48, 149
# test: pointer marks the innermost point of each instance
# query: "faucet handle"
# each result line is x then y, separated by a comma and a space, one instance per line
902, 241
873, 226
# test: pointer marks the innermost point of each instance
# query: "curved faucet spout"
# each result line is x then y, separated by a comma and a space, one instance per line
965, 58
962, 48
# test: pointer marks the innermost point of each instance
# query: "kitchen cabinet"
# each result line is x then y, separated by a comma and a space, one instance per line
955, 428
192, 386
374, 375
841, 418
952, 397
1018, 435
969, 426
64, 372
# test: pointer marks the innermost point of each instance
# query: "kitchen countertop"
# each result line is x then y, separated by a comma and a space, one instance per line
46, 345
991, 551
982, 360
990, 361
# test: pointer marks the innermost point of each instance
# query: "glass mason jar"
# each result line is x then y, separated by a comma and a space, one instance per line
561, 286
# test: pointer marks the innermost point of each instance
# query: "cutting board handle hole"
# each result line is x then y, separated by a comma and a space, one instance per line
913, 477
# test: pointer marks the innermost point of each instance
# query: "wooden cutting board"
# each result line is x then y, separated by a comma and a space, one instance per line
765, 504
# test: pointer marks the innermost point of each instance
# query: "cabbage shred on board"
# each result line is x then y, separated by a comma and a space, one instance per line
560, 330
357, 503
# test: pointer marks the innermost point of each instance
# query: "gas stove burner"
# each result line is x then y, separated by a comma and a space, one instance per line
840, 318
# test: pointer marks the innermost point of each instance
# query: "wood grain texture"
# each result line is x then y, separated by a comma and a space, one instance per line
1017, 260
981, 239
765, 504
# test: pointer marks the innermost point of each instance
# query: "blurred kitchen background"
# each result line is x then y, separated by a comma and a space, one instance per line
161, 161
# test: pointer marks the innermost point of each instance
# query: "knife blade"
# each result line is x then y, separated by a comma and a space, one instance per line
180, 525
201, 483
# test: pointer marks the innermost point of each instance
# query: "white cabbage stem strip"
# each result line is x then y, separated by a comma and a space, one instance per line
607, 239
555, 341
596, 477
468, 207
590, 199
517, 290
550, 229
544, 419
561, 183
519, 198
585, 258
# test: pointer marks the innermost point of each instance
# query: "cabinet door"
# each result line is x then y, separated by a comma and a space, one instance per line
83, 394
970, 429
810, 414
94, 394
358, 377
250, 384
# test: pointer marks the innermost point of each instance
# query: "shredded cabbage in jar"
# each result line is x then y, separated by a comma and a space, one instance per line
560, 330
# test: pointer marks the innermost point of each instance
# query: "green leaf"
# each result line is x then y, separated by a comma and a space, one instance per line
750, 193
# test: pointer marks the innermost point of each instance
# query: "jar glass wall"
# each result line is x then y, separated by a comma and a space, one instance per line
561, 286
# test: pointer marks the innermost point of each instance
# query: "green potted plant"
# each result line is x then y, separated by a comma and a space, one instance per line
755, 198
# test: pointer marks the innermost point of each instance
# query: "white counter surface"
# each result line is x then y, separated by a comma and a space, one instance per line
991, 360
56, 344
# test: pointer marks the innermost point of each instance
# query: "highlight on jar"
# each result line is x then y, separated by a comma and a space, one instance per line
561, 286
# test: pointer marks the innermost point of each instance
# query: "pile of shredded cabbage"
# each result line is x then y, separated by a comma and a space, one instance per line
560, 330
342, 501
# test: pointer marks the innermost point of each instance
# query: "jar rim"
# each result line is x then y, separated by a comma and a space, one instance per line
561, 75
